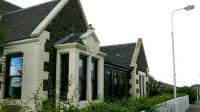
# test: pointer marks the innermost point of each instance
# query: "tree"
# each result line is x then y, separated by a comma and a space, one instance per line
189, 91
153, 88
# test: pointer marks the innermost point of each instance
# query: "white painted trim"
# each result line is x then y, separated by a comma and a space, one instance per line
142, 73
136, 53
49, 18
58, 72
88, 33
25, 41
69, 45
102, 54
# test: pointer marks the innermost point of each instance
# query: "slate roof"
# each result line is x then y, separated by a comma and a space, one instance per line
120, 54
20, 24
71, 39
6, 7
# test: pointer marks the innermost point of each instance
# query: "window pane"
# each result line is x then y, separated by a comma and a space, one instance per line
1, 67
115, 78
16, 82
16, 66
14, 76
82, 77
110, 82
64, 76
94, 79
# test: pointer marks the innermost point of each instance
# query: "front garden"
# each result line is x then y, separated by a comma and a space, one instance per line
124, 105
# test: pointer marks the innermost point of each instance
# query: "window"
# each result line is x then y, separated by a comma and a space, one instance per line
1, 68
14, 76
143, 85
0, 85
64, 76
94, 79
121, 90
45, 85
137, 81
82, 77
121, 78
109, 82
140, 84
115, 84
115, 79
137, 90
1, 64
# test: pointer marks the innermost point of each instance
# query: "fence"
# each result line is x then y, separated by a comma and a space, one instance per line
168, 106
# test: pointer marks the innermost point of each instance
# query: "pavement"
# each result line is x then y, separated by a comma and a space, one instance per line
194, 107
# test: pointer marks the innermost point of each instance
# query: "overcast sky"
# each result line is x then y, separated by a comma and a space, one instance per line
123, 21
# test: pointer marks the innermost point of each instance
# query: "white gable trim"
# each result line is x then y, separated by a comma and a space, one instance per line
88, 33
136, 52
52, 15
49, 18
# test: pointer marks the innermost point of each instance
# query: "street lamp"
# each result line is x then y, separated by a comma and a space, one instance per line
197, 87
187, 8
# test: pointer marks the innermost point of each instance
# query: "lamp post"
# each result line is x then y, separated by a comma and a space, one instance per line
187, 8
197, 87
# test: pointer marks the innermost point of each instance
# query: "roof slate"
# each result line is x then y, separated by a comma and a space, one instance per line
6, 7
119, 54
20, 24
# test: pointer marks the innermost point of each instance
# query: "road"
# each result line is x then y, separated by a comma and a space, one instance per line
194, 107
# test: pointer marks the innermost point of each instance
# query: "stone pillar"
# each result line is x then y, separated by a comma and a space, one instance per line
132, 82
100, 77
73, 93
58, 66
88, 85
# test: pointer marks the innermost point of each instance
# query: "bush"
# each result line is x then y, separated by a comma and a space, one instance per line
124, 105
128, 105
189, 91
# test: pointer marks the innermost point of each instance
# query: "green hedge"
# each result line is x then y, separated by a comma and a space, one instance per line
125, 105
128, 105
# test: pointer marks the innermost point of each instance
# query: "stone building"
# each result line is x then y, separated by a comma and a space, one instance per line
50, 48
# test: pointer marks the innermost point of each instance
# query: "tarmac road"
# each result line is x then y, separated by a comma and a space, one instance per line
194, 107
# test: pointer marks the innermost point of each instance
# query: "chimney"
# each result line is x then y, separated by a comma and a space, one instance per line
90, 27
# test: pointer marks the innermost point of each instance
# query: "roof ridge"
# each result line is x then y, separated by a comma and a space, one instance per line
16, 11
119, 44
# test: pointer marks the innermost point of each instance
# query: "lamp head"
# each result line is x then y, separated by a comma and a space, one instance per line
189, 7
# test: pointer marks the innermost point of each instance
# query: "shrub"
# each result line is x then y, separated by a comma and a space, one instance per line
124, 105
189, 91
128, 105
